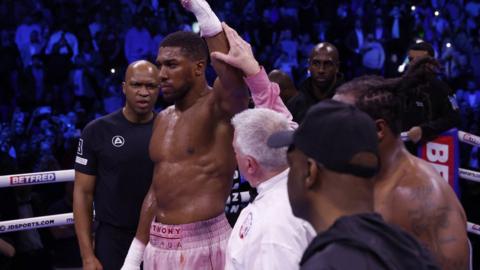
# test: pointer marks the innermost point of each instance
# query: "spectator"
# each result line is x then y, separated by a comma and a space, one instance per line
137, 41
324, 78
9, 73
373, 55
34, 46
284, 81
24, 31
434, 101
63, 42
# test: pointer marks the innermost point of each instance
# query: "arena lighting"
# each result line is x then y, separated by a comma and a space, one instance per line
401, 68
195, 27
437, 13
413, 8
419, 40
112, 71
448, 44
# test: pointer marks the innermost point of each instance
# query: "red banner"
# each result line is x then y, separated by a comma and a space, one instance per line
443, 154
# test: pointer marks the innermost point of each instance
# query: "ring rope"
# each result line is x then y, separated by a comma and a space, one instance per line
473, 228
36, 222
67, 219
469, 175
463, 136
26, 179
69, 175
468, 138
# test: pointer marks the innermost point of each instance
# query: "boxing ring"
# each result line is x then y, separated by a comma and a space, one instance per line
438, 147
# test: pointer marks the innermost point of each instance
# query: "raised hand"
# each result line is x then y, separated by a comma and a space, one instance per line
207, 20
240, 54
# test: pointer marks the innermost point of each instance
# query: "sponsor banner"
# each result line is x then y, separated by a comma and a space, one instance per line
36, 222
31, 178
469, 138
469, 175
238, 199
36, 178
443, 154
473, 228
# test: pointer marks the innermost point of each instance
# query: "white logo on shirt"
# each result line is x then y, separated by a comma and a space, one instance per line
245, 228
118, 141
80, 147
81, 160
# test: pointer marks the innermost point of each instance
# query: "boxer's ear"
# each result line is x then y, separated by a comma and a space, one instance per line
199, 68
382, 127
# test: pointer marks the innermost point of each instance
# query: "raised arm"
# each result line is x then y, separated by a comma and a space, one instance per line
83, 214
265, 94
229, 89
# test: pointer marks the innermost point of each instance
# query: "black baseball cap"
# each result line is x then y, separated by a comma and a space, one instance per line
332, 133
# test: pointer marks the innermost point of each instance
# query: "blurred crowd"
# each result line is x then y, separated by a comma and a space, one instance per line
63, 64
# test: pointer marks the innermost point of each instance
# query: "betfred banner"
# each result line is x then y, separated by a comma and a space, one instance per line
443, 154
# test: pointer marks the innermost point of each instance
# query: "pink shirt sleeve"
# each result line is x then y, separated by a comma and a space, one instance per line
266, 94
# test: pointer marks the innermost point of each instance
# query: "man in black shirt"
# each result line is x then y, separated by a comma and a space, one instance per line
333, 157
432, 108
324, 78
113, 170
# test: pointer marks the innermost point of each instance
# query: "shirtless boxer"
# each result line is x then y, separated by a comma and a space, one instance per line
191, 147
408, 191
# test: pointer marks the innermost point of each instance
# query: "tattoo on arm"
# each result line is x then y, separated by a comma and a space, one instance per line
428, 223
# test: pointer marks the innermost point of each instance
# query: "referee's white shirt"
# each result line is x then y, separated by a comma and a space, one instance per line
266, 234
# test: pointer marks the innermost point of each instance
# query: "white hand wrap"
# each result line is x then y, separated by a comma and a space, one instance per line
207, 20
134, 256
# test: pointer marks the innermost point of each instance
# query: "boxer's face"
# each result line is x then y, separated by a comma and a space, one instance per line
296, 182
176, 73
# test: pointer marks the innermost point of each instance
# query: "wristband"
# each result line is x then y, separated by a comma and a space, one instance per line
207, 20
134, 256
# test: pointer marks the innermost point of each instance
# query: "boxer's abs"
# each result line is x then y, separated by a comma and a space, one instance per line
187, 192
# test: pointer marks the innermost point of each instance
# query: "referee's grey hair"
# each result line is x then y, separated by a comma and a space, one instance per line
252, 129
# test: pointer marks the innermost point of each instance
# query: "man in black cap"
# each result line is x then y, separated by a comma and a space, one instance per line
333, 157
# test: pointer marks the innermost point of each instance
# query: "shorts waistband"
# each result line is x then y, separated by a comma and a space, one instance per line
190, 235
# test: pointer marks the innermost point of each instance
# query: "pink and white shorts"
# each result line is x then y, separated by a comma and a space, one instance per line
199, 245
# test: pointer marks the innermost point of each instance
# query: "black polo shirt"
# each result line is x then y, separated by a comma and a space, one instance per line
116, 152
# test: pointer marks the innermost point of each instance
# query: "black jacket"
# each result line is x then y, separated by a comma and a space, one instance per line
434, 109
365, 241
299, 105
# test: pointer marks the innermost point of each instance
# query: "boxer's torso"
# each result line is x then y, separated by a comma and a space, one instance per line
194, 162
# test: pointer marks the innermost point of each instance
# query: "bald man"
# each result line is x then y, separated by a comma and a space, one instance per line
113, 170
325, 77
287, 87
